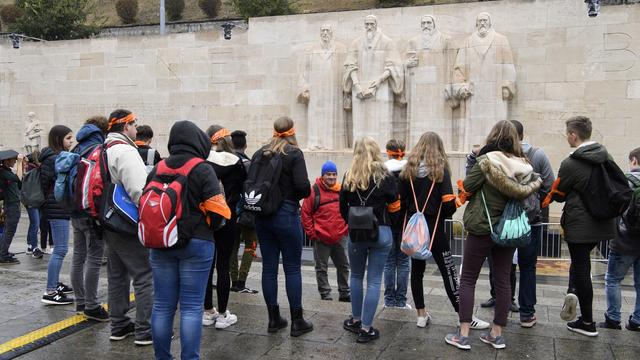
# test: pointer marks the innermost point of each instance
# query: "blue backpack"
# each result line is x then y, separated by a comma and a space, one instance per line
66, 168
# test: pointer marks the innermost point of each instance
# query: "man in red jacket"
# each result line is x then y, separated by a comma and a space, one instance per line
323, 224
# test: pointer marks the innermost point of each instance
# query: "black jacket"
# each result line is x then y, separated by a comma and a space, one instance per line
187, 141
384, 194
231, 172
51, 208
143, 150
294, 181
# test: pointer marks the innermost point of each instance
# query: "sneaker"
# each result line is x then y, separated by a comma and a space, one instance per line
580, 327
569, 311
29, 250
609, 324
37, 253
528, 322
56, 298
423, 321
406, 307
97, 314
123, 333
346, 298
351, 325
366, 336
64, 288
632, 325
478, 324
10, 260
235, 288
496, 341
209, 317
145, 341
246, 290
225, 320
49, 250
79, 309
326, 297
459, 341
514, 307
489, 303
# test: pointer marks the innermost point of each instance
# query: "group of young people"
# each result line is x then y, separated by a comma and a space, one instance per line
363, 216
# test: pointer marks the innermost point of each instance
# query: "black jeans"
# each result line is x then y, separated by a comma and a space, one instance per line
224, 239
12, 217
527, 259
580, 277
442, 257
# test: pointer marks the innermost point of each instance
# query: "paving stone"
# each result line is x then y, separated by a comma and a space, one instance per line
585, 350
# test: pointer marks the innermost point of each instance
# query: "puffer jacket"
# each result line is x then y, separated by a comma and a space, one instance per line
51, 208
501, 178
578, 224
126, 166
325, 223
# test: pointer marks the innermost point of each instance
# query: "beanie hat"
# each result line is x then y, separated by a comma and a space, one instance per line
329, 166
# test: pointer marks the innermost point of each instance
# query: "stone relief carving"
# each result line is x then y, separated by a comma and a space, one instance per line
32, 134
373, 75
320, 84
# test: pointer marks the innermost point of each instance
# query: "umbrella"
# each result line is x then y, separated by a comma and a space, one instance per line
8, 154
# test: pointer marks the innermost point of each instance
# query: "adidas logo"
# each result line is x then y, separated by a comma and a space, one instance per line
252, 198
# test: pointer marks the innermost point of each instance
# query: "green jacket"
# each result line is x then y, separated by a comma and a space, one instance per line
11, 184
578, 224
500, 178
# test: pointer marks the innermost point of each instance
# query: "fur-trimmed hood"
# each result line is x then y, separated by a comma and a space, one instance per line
512, 176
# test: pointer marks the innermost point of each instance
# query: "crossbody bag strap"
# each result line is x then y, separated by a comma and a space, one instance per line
486, 209
364, 202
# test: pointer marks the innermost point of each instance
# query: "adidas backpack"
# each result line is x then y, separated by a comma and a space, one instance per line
262, 194
161, 206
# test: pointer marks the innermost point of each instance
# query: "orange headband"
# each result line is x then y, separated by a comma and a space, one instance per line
395, 153
283, 134
127, 119
219, 135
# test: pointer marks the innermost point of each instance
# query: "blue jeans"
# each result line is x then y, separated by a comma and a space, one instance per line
179, 275
527, 259
396, 278
34, 227
616, 270
278, 234
60, 236
369, 256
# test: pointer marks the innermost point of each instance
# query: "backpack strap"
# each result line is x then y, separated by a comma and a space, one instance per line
413, 191
151, 155
184, 170
486, 209
363, 202
635, 182
316, 197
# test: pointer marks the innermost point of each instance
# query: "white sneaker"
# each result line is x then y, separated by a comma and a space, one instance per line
424, 321
209, 317
225, 320
49, 250
477, 324
407, 307
569, 308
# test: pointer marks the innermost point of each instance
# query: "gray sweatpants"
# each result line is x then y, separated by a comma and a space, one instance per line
338, 254
88, 249
128, 259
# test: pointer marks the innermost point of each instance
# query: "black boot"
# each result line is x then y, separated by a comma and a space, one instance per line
276, 322
299, 325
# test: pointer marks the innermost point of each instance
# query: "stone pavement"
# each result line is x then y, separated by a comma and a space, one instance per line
21, 311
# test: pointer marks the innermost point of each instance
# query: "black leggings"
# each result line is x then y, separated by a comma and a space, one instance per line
45, 232
442, 256
224, 239
580, 277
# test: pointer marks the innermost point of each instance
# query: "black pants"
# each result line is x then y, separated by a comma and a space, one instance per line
580, 277
224, 239
45, 232
512, 279
442, 256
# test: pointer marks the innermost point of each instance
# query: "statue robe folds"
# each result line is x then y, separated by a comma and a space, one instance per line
373, 116
322, 77
484, 66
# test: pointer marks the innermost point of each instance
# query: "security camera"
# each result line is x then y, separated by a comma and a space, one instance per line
228, 27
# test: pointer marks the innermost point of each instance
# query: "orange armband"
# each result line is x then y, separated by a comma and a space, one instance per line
394, 206
462, 194
217, 205
554, 191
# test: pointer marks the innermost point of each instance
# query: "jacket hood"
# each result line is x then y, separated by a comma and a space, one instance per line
395, 165
423, 172
46, 152
512, 176
594, 153
222, 158
89, 131
186, 138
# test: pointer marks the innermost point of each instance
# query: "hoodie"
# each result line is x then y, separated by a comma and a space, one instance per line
88, 137
578, 224
325, 223
187, 141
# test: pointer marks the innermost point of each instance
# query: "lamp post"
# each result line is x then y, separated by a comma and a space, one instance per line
162, 20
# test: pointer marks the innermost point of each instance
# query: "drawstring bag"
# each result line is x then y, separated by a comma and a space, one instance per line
416, 237
513, 230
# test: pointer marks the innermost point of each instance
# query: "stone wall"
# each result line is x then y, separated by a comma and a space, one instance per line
567, 64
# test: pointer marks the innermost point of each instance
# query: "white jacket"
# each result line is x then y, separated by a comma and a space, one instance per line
126, 166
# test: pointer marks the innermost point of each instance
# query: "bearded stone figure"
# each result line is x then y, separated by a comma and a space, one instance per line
373, 76
484, 81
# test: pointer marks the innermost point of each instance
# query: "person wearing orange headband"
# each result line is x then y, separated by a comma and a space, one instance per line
149, 155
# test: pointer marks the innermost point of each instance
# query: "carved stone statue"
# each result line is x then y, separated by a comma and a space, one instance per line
373, 74
484, 77
32, 134
426, 78
320, 84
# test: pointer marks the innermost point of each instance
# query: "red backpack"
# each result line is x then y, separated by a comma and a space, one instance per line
90, 180
161, 205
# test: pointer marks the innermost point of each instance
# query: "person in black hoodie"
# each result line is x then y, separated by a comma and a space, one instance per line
60, 139
281, 233
368, 183
180, 274
232, 174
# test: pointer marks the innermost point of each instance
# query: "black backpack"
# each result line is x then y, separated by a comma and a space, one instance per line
608, 193
629, 222
262, 194
362, 221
